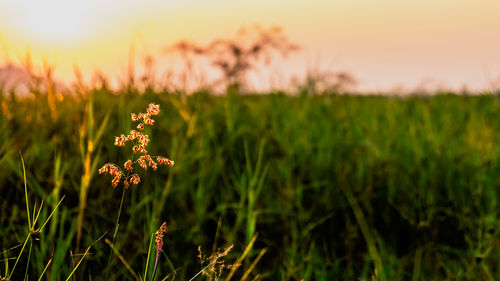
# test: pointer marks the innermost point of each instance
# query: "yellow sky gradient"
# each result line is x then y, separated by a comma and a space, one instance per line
384, 43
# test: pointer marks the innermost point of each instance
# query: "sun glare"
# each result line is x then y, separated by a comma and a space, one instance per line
50, 21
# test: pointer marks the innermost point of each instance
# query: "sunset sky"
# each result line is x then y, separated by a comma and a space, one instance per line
384, 43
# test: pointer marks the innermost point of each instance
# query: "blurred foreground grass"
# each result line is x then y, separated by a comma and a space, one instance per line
336, 187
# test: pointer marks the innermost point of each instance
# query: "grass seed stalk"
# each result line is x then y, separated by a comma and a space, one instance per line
139, 159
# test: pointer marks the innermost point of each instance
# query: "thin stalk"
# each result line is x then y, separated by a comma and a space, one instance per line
26, 192
365, 231
29, 258
156, 265
203, 269
117, 224
52, 213
83, 257
238, 262
147, 260
45, 269
122, 259
19, 256
78, 264
254, 263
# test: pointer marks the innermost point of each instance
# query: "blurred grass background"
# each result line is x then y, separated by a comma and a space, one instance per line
336, 186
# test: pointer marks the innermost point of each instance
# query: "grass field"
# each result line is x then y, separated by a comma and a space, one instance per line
333, 187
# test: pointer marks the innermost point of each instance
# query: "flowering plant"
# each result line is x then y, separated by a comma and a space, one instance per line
159, 244
139, 142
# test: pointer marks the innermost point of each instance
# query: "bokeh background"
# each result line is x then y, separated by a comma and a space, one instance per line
323, 140
387, 44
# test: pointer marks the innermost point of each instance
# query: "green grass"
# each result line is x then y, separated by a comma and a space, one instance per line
334, 187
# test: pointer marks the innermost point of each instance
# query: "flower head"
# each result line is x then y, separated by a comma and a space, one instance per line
134, 117
159, 243
159, 237
153, 109
165, 161
139, 142
121, 140
128, 165
135, 179
116, 179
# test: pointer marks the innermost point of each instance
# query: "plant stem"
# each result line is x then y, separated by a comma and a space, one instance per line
29, 258
117, 224
19, 256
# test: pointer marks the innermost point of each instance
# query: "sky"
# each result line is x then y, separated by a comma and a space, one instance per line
385, 44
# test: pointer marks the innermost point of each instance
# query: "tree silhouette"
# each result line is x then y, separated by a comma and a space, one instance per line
236, 56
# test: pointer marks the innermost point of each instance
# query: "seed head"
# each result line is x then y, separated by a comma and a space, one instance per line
159, 238
128, 165
139, 142
153, 109
142, 163
116, 179
104, 169
121, 140
135, 179
165, 161
134, 117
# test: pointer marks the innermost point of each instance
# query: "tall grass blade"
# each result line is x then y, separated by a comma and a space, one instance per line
26, 192
147, 259
254, 263
238, 262
83, 257
122, 259
45, 269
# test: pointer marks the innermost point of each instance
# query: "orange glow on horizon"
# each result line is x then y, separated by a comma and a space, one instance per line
383, 43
